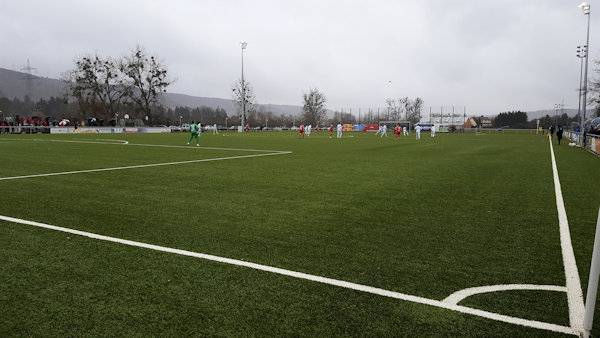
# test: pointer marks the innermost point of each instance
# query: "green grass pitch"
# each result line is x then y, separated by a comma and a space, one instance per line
424, 218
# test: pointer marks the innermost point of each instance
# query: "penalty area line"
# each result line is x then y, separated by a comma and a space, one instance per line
300, 275
142, 166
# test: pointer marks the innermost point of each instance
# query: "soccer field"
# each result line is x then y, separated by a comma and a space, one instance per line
271, 235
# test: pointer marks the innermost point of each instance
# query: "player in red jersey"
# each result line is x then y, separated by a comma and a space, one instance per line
397, 130
331, 130
301, 131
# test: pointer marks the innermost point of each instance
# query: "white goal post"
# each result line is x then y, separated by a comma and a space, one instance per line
402, 123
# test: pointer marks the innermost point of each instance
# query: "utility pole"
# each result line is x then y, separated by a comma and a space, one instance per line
28, 86
244, 44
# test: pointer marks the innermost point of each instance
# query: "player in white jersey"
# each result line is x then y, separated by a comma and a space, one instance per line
418, 131
405, 131
433, 131
215, 130
384, 130
308, 129
339, 130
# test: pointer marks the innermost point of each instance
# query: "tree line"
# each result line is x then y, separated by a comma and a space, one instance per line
519, 119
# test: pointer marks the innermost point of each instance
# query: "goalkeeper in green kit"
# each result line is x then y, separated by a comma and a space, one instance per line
194, 133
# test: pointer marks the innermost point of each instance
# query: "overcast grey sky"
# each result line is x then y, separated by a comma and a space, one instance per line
490, 55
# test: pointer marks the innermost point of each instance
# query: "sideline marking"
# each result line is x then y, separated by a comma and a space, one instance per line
142, 166
458, 296
574, 293
320, 279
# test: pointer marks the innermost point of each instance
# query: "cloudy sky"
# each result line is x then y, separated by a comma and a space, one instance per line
487, 55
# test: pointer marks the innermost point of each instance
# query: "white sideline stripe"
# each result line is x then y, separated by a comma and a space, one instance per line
123, 142
574, 293
458, 296
319, 279
120, 142
141, 166
110, 139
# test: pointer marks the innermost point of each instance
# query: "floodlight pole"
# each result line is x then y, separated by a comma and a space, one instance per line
585, 7
556, 108
244, 44
590, 300
581, 52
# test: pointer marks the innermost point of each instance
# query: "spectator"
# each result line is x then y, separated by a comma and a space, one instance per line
559, 134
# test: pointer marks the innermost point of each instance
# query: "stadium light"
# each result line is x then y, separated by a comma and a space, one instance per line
557, 106
585, 7
244, 44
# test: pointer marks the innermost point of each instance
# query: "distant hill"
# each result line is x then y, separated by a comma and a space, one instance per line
13, 84
536, 114
172, 100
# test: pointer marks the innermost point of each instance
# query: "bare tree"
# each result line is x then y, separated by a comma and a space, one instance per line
97, 85
148, 77
105, 86
314, 106
414, 115
243, 92
594, 89
392, 108
405, 105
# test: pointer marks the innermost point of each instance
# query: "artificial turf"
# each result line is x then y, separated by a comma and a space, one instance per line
425, 218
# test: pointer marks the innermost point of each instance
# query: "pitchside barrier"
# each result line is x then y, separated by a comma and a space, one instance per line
500, 130
592, 142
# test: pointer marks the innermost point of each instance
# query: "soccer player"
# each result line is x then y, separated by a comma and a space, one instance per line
339, 130
397, 131
301, 131
433, 131
405, 131
378, 130
317, 128
418, 131
215, 130
384, 130
364, 129
331, 130
194, 133
308, 129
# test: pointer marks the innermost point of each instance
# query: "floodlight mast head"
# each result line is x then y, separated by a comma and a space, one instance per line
585, 7
244, 44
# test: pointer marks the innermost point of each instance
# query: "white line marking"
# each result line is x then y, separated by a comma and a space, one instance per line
574, 293
156, 145
141, 166
319, 279
109, 139
458, 296
120, 142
